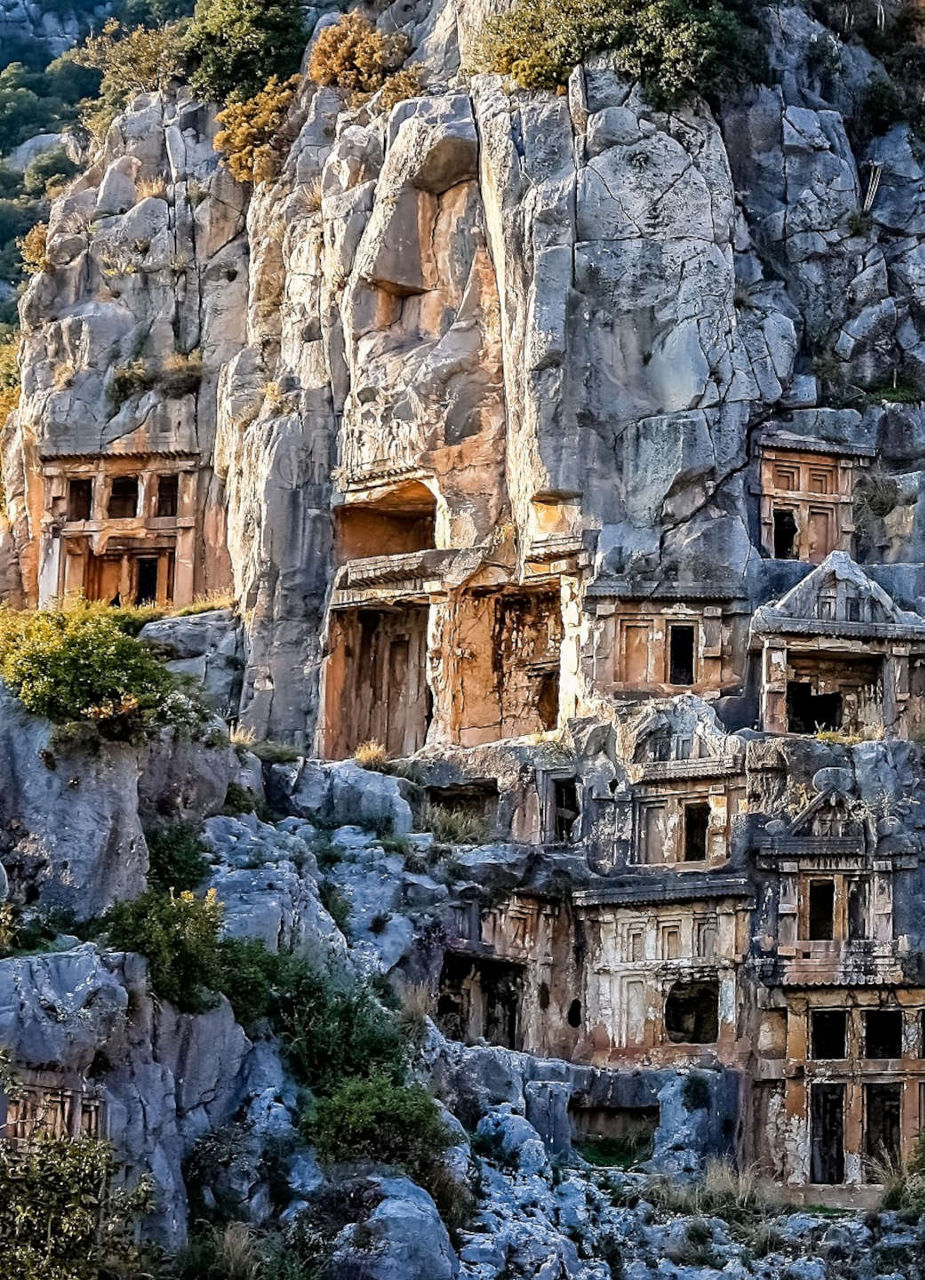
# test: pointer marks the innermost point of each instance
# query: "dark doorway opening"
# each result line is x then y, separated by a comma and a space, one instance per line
696, 823
547, 699
681, 654
827, 1140
146, 590
168, 488
821, 910
565, 809
785, 534
692, 1013
883, 1033
882, 1128
808, 711
123, 498
614, 1135
857, 911
79, 499
829, 1033
480, 999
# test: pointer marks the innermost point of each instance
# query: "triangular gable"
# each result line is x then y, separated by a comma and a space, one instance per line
826, 815
839, 594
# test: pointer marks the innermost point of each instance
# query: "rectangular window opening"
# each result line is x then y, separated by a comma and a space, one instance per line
829, 1033
79, 499
883, 1033
565, 809
123, 498
696, 823
681, 654
168, 488
821, 910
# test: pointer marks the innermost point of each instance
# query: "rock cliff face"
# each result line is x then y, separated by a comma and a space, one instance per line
574, 449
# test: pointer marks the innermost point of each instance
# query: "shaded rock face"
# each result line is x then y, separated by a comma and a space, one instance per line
72, 821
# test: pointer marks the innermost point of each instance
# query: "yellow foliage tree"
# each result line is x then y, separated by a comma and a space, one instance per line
352, 55
254, 139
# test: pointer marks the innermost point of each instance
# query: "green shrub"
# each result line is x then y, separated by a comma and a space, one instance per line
177, 858
674, 47
62, 1214
52, 168
80, 664
178, 934
235, 46
377, 1119
882, 105
330, 1029
336, 905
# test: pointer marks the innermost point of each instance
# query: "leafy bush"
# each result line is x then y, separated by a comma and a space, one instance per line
336, 905
240, 799
177, 858
132, 61
674, 47
399, 86
79, 664
377, 1119
9, 376
236, 46
179, 937
32, 249
331, 1030
51, 169
254, 140
62, 1216
352, 55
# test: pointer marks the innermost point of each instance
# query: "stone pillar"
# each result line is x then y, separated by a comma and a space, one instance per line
774, 685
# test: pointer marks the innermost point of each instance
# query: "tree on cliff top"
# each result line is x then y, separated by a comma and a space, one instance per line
235, 46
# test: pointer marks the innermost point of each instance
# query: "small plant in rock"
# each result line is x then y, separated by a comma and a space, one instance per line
377, 1119
400, 86
181, 374
9, 376
33, 249
451, 826
371, 755
256, 135
178, 934
336, 905
353, 55
239, 799
177, 858
128, 380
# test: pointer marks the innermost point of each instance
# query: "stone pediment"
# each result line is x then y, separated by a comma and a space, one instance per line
838, 598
